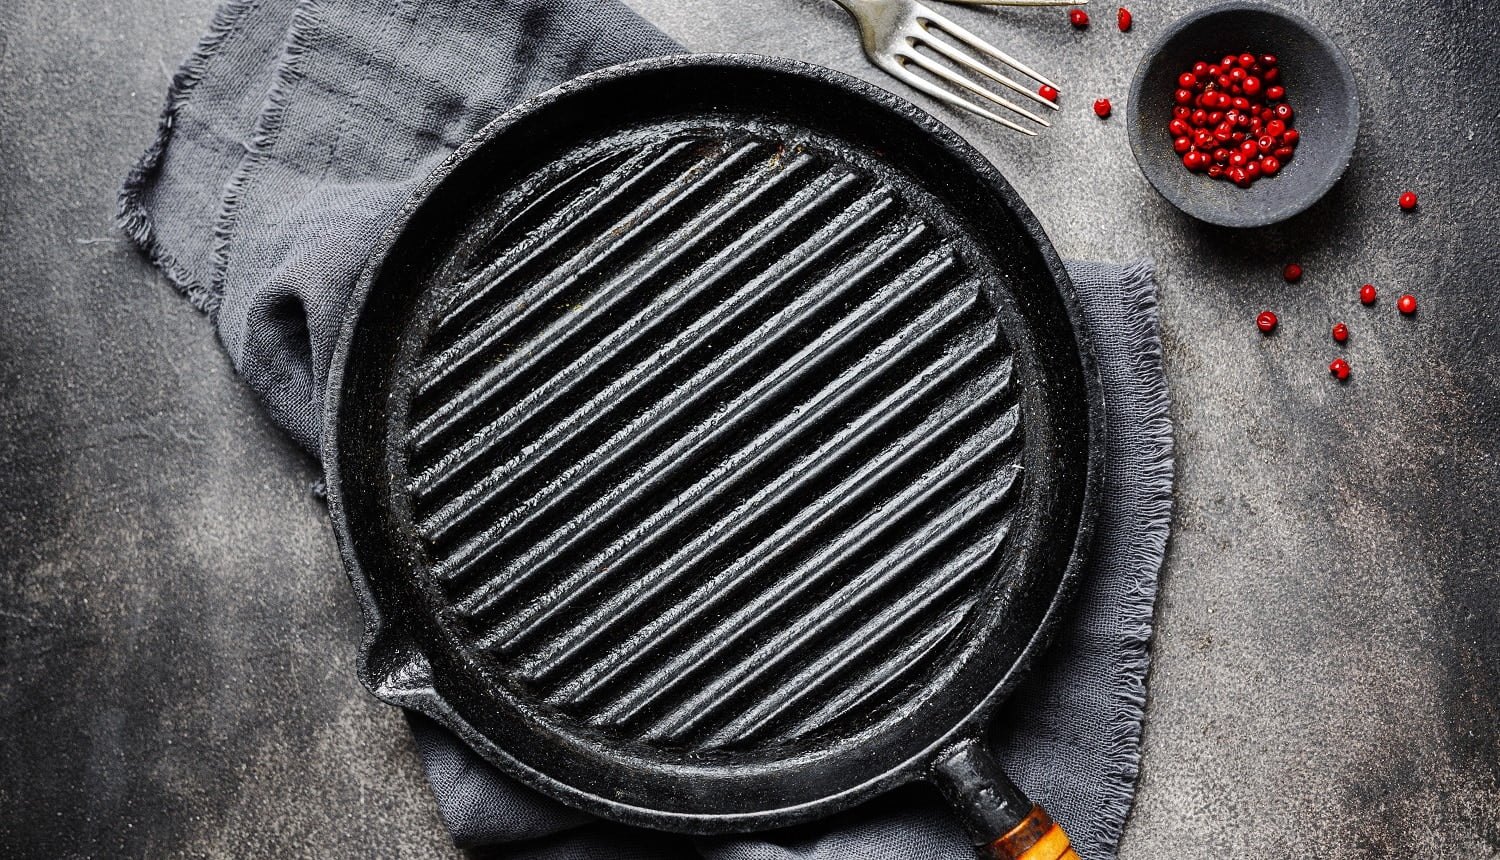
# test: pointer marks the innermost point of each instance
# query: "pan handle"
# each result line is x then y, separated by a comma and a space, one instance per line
1003, 824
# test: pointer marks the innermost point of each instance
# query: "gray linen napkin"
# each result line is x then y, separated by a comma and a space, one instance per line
290, 138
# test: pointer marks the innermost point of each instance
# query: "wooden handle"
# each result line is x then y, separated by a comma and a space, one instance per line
1037, 837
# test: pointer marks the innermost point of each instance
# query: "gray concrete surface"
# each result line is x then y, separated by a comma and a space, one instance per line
177, 638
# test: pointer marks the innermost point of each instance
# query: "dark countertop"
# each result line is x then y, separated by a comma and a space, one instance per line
177, 636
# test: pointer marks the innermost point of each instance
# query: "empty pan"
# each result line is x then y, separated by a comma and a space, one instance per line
714, 447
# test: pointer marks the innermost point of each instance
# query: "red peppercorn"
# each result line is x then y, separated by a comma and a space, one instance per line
1290, 136
1187, 80
1122, 17
1283, 111
1048, 92
1246, 60
1198, 117
1292, 273
1079, 18
1340, 332
1251, 86
1407, 304
1269, 165
1215, 170
1270, 75
1182, 144
1268, 60
1339, 368
1274, 93
1408, 200
1275, 128
1266, 321
1102, 108
1284, 153
1367, 294
1200, 68
1183, 97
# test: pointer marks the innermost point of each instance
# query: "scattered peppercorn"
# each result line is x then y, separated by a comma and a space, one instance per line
1407, 304
1340, 332
1266, 322
1367, 294
1124, 19
1292, 273
1079, 18
1048, 92
1339, 368
1408, 200
1102, 107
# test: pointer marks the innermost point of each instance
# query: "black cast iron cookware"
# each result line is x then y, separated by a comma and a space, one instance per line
714, 446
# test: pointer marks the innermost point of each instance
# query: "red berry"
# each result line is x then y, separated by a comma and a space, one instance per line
1367, 294
1408, 200
1183, 97
1246, 60
1187, 80
1200, 68
1274, 93
1268, 60
1340, 332
1339, 368
1269, 165
1048, 92
1102, 108
1407, 304
1283, 111
1271, 75
1266, 321
1079, 18
1292, 273
1123, 18
1251, 86
1290, 136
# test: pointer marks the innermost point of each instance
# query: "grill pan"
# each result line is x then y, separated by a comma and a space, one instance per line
714, 446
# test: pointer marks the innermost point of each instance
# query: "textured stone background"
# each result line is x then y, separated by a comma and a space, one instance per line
177, 637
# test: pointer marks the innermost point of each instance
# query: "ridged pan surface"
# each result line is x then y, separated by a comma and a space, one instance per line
712, 443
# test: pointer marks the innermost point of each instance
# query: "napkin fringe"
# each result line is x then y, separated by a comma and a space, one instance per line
263, 137
131, 215
1123, 749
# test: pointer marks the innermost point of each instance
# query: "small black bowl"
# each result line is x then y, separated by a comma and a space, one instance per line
1320, 88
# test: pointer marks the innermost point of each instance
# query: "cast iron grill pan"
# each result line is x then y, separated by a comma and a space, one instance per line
714, 446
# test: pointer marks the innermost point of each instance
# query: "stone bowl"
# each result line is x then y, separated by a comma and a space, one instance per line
1320, 88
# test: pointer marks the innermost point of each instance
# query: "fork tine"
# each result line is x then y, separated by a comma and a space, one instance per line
896, 68
963, 59
978, 44
960, 81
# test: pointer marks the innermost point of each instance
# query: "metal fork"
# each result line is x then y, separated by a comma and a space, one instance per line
890, 31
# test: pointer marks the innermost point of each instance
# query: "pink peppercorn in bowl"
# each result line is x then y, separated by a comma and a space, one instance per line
1301, 81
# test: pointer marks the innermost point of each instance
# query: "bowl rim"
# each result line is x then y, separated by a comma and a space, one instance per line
1340, 64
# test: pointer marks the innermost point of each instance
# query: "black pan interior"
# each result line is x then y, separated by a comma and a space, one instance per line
715, 439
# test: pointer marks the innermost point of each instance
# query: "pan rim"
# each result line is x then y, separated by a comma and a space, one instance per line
425, 699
